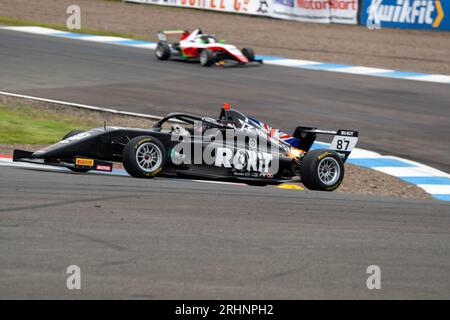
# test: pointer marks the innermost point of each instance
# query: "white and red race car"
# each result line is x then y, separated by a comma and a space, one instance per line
201, 47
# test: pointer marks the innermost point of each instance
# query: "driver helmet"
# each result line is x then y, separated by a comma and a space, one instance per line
185, 35
179, 130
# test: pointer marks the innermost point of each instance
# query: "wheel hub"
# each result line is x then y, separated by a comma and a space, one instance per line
203, 58
328, 171
148, 157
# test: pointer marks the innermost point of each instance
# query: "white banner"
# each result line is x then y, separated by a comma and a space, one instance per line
258, 7
324, 11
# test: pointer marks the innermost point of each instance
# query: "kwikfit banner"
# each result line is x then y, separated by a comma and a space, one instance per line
324, 11
411, 14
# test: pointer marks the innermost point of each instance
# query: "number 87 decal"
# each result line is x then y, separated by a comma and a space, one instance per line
341, 143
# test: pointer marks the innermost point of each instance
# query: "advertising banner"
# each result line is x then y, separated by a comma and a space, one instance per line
323, 11
254, 7
410, 14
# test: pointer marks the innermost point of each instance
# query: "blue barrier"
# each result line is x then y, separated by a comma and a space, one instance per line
409, 14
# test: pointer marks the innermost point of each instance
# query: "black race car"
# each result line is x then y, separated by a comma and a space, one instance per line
232, 147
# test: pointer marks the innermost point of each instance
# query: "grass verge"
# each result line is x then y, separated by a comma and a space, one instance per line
22, 124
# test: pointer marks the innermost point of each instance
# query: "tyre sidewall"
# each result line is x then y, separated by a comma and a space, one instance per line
209, 57
248, 53
165, 51
129, 157
308, 170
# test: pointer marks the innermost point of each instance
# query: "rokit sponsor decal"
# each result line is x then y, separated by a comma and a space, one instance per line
76, 137
415, 14
244, 160
86, 134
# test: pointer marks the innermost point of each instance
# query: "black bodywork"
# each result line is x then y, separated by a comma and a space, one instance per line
99, 147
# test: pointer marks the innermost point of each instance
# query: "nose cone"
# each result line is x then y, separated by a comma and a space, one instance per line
40, 153
242, 58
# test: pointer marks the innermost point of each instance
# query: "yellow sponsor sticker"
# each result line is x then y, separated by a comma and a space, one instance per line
323, 155
290, 186
84, 162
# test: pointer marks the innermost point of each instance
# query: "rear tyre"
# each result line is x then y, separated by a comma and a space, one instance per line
71, 134
162, 51
144, 157
249, 54
322, 170
207, 58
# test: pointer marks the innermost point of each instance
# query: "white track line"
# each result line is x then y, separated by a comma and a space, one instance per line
280, 61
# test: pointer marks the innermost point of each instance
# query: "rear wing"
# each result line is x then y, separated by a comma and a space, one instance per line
343, 142
162, 35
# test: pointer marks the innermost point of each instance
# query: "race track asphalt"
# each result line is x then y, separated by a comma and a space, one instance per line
167, 238
400, 117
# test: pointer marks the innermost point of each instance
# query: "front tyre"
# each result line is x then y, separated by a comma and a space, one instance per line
249, 54
162, 51
144, 157
322, 170
207, 58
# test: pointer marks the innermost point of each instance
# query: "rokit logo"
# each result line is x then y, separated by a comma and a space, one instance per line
76, 137
422, 12
243, 150
244, 160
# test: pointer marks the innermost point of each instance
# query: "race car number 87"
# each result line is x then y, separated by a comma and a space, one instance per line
342, 143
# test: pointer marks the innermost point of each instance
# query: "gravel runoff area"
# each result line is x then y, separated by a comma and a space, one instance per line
357, 179
410, 50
